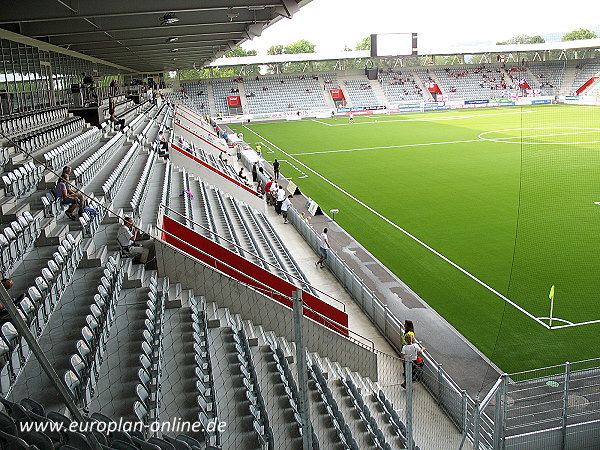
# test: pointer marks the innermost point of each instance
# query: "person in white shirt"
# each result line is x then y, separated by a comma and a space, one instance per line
274, 190
411, 352
184, 144
284, 208
280, 199
126, 237
323, 246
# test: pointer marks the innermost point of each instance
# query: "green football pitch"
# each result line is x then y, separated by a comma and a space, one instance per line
479, 212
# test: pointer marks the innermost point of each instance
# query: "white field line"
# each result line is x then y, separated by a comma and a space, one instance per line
389, 146
435, 252
538, 135
421, 119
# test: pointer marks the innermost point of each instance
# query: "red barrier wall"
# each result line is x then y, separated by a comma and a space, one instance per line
216, 255
585, 85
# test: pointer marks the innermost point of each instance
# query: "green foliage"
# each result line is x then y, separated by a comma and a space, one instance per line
365, 44
523, 39
275, 50
239, 51
579, 34
302, 46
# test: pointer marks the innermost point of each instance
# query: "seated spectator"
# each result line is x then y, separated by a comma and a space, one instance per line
61, 192
120, 122
4, 314
126, 237
184, 144
222, 158
162, 140
66, 173
241, 174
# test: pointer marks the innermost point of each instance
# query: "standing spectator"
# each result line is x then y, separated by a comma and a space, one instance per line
126, 237
276, 169
274, 190
268, 191
280, 199
284, 208
323, 247
409, 332
254, 173
411, 352
351, 117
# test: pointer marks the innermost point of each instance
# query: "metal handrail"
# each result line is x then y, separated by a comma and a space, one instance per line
263, 290
304, 283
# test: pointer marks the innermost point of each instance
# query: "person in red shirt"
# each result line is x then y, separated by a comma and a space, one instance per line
268, 195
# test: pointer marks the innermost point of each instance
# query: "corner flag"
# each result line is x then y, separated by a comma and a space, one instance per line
551, 296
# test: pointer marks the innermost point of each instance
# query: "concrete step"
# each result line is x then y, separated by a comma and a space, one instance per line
52, 234
12, 211
175, 297
250, 333
93, 256
134, 274
212, 317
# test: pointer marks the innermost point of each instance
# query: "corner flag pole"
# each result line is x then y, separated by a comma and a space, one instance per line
551, 304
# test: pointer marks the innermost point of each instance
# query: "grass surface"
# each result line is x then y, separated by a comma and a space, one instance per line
507, 194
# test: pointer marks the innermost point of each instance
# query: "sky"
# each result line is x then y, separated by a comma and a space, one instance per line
333, 24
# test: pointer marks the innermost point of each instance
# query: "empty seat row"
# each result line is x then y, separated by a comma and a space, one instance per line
58, 432
112, 186
165, 198
93, 163
187, 200
37, 306
42, 137
365, 415
341, 427
12, 125
391, 414
256, 406
206, 398
17, 239
85, 364
139, 195
22, 180
61, 155
147, 405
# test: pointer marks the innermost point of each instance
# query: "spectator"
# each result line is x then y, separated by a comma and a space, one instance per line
61, 192
161, 140
284, 208
254, 173
222, 158
411, 352
126, 237
4, 314
280, 199
120, 122
409, 332
184, 144
323, 246
241, 174
268, 191
66, 173
276, 169
274, 190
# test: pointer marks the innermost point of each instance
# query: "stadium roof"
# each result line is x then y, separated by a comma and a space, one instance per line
148, 36
437, 50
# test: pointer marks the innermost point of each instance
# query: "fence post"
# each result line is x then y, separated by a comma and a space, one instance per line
498, 437
563, 436
439, 383
476, 424
465, 414
302, 371
410, 444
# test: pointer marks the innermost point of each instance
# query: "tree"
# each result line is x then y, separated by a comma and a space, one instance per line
302, 46
239, 51
275, 50
365, 44
523, 39
577, 35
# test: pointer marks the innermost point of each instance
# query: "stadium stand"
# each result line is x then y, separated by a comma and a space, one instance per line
284, 93
360, 92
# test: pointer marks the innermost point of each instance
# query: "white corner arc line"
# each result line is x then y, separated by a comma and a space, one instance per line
416, 239
560, 320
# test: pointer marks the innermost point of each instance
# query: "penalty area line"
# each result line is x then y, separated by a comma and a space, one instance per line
411, 236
